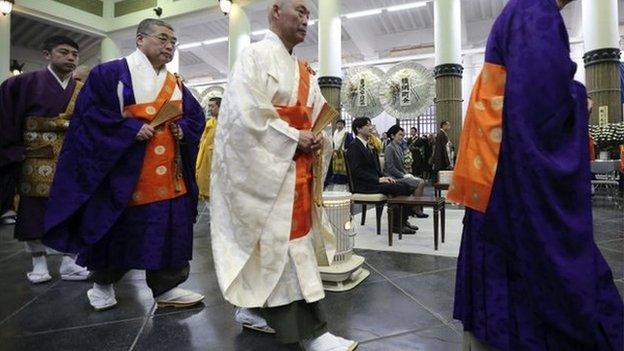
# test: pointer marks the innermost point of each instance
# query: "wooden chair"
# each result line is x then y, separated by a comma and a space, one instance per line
377, 200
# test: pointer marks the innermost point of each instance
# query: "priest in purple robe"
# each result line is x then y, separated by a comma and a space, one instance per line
124, 195
530, 276
35, 110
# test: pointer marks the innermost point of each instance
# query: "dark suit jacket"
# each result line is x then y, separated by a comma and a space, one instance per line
364, 168
440, 156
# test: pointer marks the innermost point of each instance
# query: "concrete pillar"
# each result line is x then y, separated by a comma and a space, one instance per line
330, 51
108, 50
602, 59
239, 33
5, 46
448, 70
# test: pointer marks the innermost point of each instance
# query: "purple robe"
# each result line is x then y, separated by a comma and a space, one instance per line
529, 275
98, 169
30, 94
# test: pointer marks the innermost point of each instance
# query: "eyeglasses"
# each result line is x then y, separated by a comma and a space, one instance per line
164, 40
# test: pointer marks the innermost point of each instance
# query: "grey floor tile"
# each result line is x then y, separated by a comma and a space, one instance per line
435, 291
440, 338
65, 305
615, 245
16, 289
615, 259
110, 337
374, 310
395, 264
207, 329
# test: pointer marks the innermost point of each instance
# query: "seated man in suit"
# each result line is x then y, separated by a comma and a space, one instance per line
366, 171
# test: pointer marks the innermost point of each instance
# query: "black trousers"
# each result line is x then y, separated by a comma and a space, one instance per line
398, 189
296, 321
159, 281
8, 187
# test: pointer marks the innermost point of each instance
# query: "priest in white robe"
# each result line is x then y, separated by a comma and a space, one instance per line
268, 235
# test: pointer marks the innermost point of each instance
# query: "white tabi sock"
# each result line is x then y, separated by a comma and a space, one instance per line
104, 289
40, 264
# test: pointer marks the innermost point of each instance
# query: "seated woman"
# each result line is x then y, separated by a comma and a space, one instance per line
393, 166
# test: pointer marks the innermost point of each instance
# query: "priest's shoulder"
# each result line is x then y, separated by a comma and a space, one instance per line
24, 78
258, 49
111, 67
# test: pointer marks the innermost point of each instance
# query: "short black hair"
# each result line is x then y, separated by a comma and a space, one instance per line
359, 123
394, 130
145, 27
216, 99
341, 121
443, 123
51, 42
414, 128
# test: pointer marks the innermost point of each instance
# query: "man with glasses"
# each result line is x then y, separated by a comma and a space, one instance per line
125, 195
35, 110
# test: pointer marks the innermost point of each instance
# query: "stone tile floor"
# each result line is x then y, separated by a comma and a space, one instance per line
406, 304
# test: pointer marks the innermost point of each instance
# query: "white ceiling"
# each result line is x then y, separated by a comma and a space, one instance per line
396, 34
400, 33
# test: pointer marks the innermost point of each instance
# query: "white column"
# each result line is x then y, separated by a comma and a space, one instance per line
5, 46
239, 33
600, 24
174, 65
330, 38
108, 50
447, 31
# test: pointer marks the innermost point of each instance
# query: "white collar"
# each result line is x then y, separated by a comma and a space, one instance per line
275, 39
141, 61
63, 83
363, 141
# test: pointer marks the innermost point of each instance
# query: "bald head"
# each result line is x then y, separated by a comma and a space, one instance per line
81, 73
289, 20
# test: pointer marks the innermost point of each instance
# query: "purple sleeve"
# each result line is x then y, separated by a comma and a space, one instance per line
97, 138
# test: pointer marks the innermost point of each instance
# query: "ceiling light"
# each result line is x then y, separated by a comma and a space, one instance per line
260, 32
406, 6
6, 6
363, 13
226, 6
190, 45
215, 41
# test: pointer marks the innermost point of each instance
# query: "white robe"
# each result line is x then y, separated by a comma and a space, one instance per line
253, 184
339, 138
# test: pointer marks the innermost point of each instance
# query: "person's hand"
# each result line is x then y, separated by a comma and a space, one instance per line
307, 140
386, 180
317, 142
177, 131
145, 133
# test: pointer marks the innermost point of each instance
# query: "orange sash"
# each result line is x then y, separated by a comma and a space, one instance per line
479, 145
298, 116
160, 178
